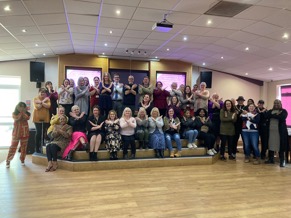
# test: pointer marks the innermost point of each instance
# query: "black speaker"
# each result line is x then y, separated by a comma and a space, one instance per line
31, 142
206, 76
36, 71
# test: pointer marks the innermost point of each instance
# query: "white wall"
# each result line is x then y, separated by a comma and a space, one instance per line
22, 68
227, 86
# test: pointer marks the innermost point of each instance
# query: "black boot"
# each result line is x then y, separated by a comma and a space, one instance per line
157, 153
115, 157
141, 144
70, 155
282, 163
91, 156
95, 156
282, 158
125, 156
271, 158
86, 147
146, 145
112, 155
161, 153
132, 156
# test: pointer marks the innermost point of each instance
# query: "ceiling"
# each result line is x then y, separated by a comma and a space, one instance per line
55, 27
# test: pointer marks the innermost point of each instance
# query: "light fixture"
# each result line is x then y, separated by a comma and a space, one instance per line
203, 64
168, 49
105, 44
36, 44
44, 54
247, 48
246, 74
209, 22
185, 38
23, 30
103, 53
156, 57
270, 69
138, 52
126, 51
285, 36
117, 12
145, 53
7, 8
110, 31
221, 57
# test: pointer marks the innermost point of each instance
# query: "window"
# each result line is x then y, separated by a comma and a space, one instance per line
9, 88
286, 101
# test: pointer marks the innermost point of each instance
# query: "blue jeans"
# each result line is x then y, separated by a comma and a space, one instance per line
176, 138
191, 135
251, 139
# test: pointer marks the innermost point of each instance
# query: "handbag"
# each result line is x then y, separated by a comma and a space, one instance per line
204, 128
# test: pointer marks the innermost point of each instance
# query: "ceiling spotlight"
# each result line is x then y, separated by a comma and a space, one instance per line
156, 57
105, 44
36, 44
270, 69
285, 36
209, 22
103, 53
138, 52
247, 48
185, 38
168, 49
24, 30
7, 8
44, 54
117, 12
110, 31
221, 57
246, 74
145, 53
203, 64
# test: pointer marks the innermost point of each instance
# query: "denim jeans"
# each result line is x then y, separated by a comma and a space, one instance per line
251, 139
191, 135
176, 138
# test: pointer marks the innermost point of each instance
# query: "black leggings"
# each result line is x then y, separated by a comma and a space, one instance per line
128, 140
52, 152
41, 128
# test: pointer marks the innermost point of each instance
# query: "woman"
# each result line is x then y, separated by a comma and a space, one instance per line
156, 134
106, 88
55, 120
20, 133
146, 103
142, 132
175, 104
127, 125
278, 135
188, 129
94, 93
65, 93
250, 133
204, 127
160, 96
227, 130
201, 97
53, 95
214, 106
171, 129
96, 132
61, 135
188, 100
113, 138
41, 117
145, 88
81, 96
79, 139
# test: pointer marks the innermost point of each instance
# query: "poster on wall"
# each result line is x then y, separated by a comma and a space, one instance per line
167, 78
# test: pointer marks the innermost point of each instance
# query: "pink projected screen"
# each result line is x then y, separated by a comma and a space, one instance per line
76, 73
168, 78
286, 101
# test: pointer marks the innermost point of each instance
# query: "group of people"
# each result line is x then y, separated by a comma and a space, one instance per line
83, 116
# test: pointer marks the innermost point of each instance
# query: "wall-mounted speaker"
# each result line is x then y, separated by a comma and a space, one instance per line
36, 71
206, 76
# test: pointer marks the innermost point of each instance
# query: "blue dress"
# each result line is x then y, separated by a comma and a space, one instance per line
157, 140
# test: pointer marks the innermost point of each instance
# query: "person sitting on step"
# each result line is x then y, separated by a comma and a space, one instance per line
142, 132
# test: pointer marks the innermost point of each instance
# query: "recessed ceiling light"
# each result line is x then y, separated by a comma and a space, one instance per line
117, 12
44, 54
221, 57
209, 22
285, 36
103, 53
247, 48
36, 44
110, 31
203, 64
168, 49
156, 57
105, 44
23, 30
246, 74
7, 8
185, 38
270, 69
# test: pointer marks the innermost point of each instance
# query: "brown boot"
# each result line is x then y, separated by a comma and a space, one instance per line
49, 166
178, 154
55, 166
172, 154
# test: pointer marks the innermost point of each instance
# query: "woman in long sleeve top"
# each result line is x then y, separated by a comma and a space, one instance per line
81, 96
128, 125
250, 133
142, 132
188, 130
227, 129
157, 138
187, 101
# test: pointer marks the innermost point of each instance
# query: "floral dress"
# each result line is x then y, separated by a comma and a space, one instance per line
113, 138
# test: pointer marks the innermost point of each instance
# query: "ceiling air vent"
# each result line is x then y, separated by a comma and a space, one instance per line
227, 9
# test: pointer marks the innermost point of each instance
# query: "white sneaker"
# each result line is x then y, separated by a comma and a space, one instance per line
22, 164
214, 151
190, 145
8, 164
194, 145
210, 152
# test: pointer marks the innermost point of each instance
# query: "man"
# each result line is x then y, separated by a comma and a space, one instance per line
175, 92
129, 94
117, 95
263, 130
145, 88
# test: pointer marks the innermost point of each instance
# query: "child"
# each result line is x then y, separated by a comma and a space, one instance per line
20, 133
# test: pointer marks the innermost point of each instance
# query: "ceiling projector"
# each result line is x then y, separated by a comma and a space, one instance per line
163, 26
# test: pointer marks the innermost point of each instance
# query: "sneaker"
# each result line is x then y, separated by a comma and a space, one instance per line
194, 145
214, 151
256, 161
210, 152
22, 163
231, 157
222, 158
190, 146
7, 164
247, 160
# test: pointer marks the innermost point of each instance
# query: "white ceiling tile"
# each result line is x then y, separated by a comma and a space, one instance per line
196, 30
145, 14
17, 8
113, 23
110, 45
17, 51
158, 4
7, 39
126, 46
257, 13
160, 36
205, 39
16, 21
110, 11
82, 29
281, 18
83, 36
236, 24
23, 56
275, 3
82, 7
60, 43
264, 42
219, 32
44, 6
153, 42
227, 43
140, 25
11, 45
31, 38
108, 39
82, 42
136, 33
49, 29
200, 6
50, 19
123, 2
106, 31
57, 36
131, 40
216, 21
87, 20
261, 28
31, 30
243, 36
